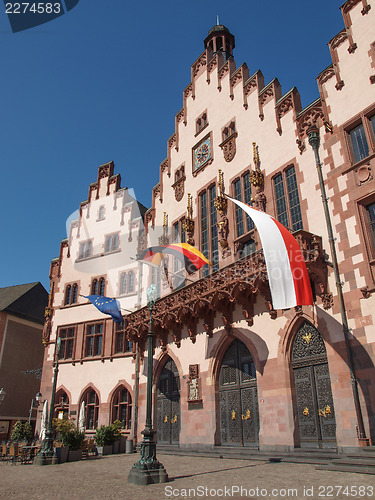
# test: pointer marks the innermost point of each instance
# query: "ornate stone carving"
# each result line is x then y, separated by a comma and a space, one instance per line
239, 283
301, 146
326, 75
366, 292
257, 180
221, 205
339, 85
188, 223
229, 147
338, 39
201, 61
179, 188
327, 300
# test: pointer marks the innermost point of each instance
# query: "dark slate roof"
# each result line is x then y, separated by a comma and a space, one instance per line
27, 301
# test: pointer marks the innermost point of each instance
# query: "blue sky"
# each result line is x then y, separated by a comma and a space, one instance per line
104, 82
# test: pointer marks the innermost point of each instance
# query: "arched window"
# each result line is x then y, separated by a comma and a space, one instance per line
101, 286
98, 286
71, 294
61, 407
123, 283
94, 287
74, 293
68, 294
92, 409
131, 282
121, 407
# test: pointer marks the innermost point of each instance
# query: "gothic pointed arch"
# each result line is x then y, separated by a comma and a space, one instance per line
121, 405
313, 401
236, 380
168, 412
90, 396
61, 404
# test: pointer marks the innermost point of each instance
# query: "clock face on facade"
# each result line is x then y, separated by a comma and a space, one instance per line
202, 153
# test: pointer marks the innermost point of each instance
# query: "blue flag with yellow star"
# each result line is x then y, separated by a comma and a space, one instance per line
107, 305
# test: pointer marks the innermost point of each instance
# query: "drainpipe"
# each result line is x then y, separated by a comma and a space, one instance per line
314, 140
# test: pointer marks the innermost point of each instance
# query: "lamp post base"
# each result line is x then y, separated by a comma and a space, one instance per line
45, 459
47, 455
148, 470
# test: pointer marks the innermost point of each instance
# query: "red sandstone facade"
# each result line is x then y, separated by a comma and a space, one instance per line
228, 368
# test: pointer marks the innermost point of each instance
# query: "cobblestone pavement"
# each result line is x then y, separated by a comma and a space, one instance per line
106, 477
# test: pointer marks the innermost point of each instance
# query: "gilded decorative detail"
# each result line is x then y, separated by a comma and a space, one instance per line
166, 419
306, 411
174, 419
257, 180
221, 205
325, 411
48, 313
233, 415
188, 223
246, 416
307, 337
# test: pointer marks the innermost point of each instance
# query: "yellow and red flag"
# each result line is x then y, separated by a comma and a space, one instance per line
191, 257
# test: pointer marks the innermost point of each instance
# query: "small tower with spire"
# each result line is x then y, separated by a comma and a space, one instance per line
220, 41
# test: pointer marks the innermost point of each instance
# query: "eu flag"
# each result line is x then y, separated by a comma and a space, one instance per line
107, 305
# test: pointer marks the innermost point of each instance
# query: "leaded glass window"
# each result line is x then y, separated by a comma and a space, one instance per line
358, 143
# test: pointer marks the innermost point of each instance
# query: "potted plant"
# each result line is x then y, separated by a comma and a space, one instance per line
106, 436
74, 440
71, 439
22, 431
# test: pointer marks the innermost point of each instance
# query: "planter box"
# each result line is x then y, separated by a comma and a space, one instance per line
62, 454
116, 447
75, 455
122, 441
104, 450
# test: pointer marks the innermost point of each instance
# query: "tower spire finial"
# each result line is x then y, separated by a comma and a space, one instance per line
217, 19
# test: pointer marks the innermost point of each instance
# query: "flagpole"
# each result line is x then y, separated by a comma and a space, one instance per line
314, 141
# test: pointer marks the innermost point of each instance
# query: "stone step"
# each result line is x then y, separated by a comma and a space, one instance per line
248, 454
353, 461
365, 469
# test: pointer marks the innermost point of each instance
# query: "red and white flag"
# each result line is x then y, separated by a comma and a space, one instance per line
287, 273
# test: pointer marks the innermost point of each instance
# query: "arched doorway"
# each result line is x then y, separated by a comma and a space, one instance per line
313, 395
168, 405
238, 396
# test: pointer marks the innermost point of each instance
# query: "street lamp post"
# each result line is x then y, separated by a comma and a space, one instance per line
148, 469
47, 455
38, 398
314, 140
